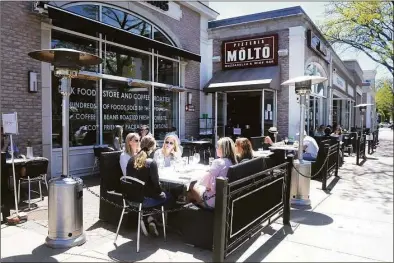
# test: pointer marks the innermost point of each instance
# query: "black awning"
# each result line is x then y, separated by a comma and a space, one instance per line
68, 20
244, 79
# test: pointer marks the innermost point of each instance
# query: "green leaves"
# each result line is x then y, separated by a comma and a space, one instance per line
363, 26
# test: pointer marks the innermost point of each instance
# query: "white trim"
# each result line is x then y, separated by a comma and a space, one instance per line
240, 83
201, 8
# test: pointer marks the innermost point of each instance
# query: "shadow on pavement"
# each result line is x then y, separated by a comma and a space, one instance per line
264, 250
310, 218
28, 258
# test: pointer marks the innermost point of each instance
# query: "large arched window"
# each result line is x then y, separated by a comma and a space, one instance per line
314, 69
117, 17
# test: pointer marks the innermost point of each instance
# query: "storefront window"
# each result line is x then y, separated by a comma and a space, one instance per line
89, 11
167, 71
125, 21
159, 36
166, 113
126, 63
84, 113
65, 40
124, 105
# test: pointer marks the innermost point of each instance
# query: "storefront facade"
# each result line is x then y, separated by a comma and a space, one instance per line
149, 50
241, 74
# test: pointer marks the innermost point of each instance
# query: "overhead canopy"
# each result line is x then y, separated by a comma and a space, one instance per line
72, 21
244, 79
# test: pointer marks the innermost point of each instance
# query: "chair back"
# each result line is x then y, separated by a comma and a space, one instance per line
36, 167
110, 171
245, 169
132, 189
257, 142
100, 149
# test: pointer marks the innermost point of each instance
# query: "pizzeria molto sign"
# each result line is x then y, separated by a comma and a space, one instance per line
250, 52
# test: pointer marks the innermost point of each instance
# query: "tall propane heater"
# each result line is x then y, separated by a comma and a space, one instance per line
300, 185
363, 109
65, 197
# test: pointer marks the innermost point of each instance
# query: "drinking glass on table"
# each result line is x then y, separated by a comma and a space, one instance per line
196, 158
286, 140
211, 159
191, 160
160, 159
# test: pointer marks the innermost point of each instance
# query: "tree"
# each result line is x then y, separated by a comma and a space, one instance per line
364, 26
384, 98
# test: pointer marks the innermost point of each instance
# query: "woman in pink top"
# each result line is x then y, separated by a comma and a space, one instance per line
203, 192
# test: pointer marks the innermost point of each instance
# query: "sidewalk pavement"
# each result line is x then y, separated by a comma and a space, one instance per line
352, 222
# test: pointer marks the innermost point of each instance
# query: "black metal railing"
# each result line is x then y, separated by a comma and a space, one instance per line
332, 164
246, 206
361, 145
373, 142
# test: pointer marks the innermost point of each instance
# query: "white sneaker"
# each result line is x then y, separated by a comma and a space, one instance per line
143, 227
153, 229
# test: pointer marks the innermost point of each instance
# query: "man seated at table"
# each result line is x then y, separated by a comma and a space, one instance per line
144, 168
203, 192
310, 148
320, 131
243, 150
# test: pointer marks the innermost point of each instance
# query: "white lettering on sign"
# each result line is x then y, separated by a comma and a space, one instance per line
255, 52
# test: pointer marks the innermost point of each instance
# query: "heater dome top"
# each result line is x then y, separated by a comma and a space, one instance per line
64, 57
362, 105
312, 79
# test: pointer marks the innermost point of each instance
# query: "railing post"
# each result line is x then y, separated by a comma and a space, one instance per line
338, 158
325, 169
286, 204
364, 146
219, 232
358, 149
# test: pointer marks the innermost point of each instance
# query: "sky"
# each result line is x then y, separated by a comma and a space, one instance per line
315, 11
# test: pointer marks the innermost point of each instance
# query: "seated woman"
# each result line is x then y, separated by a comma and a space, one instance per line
131, 149
203, 192
267, 143
170, 150
145, 169
243, 150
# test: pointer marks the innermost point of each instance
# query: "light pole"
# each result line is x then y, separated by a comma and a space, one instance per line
65, 210
300, 184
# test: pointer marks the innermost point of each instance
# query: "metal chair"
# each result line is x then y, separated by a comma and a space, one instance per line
133, 196
348, 147
36, 171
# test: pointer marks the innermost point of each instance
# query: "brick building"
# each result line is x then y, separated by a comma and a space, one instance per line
171, 62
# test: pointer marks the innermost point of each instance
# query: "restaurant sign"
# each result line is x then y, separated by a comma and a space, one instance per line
250, 52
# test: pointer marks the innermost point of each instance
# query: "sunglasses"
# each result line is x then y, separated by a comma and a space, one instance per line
167, 142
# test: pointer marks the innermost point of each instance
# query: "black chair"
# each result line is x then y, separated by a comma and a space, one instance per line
97, 153
257, 142
133, 196
36, 171
5, 191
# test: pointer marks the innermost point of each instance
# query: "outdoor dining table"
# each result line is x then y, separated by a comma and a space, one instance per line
20, 161
184, 176
264, 154
284, 147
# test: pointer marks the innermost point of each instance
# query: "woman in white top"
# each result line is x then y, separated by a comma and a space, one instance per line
170, 150
132, 147
204, 191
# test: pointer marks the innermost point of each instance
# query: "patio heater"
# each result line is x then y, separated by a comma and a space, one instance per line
65, 195
300, 185
363, 109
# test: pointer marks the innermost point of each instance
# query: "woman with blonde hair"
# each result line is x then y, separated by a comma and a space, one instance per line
170, 150
203, 192
243, 149
132, 147
144, 168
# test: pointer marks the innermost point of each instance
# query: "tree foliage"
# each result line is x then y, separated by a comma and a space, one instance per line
362, 26
384, 97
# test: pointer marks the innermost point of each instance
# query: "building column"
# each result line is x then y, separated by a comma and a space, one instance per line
182, 101
296, 68
46, 89
206, 65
